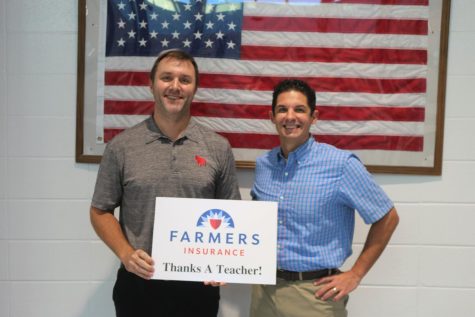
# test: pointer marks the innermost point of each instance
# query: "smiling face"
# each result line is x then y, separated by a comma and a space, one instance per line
293, 118
174, 87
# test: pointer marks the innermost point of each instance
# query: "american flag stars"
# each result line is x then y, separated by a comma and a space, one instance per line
145, 29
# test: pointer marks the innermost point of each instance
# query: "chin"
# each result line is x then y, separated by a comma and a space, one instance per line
294, 134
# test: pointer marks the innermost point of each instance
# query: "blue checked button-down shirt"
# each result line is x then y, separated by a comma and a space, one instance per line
318, 189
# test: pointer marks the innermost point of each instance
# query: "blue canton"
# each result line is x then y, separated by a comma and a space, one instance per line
318, 188
202, 28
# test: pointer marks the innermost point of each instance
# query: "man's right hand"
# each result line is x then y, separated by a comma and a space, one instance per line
139, 263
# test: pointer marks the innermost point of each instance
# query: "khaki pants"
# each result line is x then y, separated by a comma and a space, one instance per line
293, 299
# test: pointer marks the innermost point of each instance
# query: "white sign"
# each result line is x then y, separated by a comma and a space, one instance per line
230, 241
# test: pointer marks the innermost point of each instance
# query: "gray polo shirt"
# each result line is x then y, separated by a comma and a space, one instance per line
141, 164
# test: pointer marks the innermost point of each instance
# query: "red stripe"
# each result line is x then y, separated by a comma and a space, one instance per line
326, 113
334, 25
375, 142
109, 134
198, 109
347, 113
126, 78
128, 107
347, 142
334, 55
266, 83
320, 84
219, 110
383, 2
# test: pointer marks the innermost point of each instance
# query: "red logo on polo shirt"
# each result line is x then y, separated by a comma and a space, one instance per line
200, 160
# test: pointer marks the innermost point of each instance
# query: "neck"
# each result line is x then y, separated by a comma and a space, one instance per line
285, 149
287, 146
171, 127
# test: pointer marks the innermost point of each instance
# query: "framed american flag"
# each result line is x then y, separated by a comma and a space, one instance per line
378, 68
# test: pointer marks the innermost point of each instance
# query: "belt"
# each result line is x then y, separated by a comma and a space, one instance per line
303, 276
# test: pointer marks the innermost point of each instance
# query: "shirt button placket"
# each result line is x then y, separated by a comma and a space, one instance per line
174, 156
281, 221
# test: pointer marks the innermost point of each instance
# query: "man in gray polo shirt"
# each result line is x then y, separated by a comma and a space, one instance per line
166, 155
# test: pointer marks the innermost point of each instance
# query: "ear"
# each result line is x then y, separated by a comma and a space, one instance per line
314, 116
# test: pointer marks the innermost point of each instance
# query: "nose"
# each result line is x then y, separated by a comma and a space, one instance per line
175, 83
290, 114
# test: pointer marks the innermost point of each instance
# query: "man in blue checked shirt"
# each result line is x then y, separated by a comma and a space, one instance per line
318, 188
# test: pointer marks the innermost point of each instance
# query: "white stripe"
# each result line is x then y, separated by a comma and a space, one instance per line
127, 93
135, 63
346, 40
264, 68
322, 127
328, 10
367, 99
122, 121
323, 98
234, 96
267, 127
247, 155
310, 69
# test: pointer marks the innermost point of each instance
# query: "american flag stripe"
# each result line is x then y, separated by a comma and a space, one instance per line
332, 25
339, 17
405, 85
271, 68
334, 55
235, 125
349, 142
256, 142
247, 111
329, 40
234, 96
366, 59
387, 86
358, 9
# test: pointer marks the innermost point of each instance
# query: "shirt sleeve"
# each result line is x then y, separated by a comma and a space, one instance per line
360, 191
108, 190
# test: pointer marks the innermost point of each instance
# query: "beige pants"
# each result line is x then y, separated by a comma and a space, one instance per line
293, 299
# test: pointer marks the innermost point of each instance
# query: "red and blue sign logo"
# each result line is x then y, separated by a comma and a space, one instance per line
214, 219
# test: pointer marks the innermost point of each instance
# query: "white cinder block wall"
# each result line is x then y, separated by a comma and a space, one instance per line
51, 263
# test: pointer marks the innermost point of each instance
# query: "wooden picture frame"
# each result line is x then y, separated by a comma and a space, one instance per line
91, 66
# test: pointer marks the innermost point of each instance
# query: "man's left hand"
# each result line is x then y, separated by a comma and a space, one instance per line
337, 286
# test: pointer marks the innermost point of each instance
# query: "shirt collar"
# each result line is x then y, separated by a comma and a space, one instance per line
154, 133
300, 153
